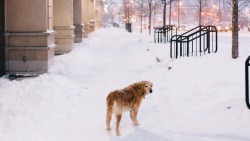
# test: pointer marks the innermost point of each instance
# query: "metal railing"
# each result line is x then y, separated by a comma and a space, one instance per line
197, 40
164, 33
247, 64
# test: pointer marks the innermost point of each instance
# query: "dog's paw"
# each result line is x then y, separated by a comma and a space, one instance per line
108, 128
118, 133
136, 123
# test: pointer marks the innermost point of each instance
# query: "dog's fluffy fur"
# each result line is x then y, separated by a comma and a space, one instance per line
128, 98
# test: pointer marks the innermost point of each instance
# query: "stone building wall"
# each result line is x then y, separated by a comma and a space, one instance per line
29, 43
77, 20
85, 18
2, 23
32, 31
63, 25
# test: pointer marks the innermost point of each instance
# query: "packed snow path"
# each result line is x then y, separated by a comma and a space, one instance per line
194, 99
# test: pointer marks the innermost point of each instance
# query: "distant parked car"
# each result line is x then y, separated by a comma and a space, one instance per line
157, 27
222, 27
116, 25
182, 28
144, 26
230, 27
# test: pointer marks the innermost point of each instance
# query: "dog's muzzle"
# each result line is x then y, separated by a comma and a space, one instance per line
150, 90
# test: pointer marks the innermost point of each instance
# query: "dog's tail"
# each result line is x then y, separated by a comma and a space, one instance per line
110, 103
109, 100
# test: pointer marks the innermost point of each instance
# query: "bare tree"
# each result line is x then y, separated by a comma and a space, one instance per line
128, 11
150, 15
241, 4
164, 12
235, 22
140, 3
157, 8
235, 37
201, 5
165, 3
170, 10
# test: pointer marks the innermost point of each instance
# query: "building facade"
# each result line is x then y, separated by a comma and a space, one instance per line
32, 32
2, 21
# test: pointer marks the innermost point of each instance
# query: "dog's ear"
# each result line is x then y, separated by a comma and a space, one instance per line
140, 85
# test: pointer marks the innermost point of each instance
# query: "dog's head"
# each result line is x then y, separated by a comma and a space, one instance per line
145, 87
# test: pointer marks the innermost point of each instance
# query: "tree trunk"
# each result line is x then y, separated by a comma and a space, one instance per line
164, 13
170, 6
154, 16
178, 6
235, 37
200, 10
141, 17
150, 15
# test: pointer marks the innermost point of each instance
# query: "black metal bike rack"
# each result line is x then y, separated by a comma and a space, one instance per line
164, 33
247, 64
197, 40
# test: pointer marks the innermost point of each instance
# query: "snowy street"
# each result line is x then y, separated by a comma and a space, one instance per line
198, 98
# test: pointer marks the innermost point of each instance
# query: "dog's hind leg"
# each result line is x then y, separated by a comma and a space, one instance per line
108, 118
131, 115
118, 119
110, 105
118, 113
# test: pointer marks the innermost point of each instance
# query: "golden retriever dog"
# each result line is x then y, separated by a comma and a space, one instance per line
129, 98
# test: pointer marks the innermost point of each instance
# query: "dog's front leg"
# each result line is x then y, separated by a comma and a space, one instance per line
118, 119
133, 116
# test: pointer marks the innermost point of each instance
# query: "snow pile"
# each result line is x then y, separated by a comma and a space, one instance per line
194, 99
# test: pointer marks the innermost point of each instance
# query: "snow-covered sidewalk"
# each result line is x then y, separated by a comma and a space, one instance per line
198, 99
